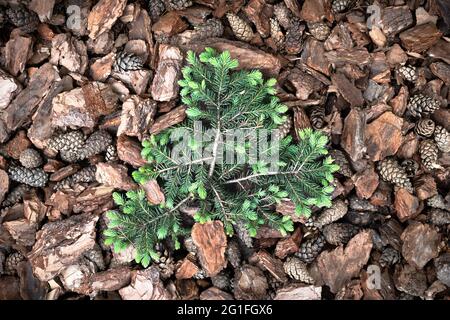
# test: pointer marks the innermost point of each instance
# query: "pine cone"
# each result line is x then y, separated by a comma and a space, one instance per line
391, 171
339, 6
242, 234
319, 30
337, 210
442, 139
127, 62
318, 117
111, 154
297, 270
276, 33
274, 286
410, 166
178, 4
23, 18
72, 141
221, 281
85, 175
95, 144
339, 233
95, 255
438, 202
200, 275
156, 8
342, 162
408, 73
33, 177
389, 257
310, 225
283, 14
12, 262
439, 217
16, 195
30, 158
211, 28
233, 253
310, 249
294, 37
424, 127
2, 17
285, 128
241, 29
428, 151
420, 105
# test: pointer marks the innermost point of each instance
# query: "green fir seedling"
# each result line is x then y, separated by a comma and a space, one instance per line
188, 161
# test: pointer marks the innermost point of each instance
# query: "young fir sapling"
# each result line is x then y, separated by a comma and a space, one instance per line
223, 100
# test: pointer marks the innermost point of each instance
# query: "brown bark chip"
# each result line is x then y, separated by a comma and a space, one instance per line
211, 242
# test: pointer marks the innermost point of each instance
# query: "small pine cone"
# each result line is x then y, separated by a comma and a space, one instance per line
429, 151
439, 217
12, 262
95, 144
339, 233
442, 139
178, 4
310, 224
70, 156
85, 175
342, 162
438, 202
156, 8
283, 14
339, 6
95, 255
389, 257
127, 62
211, 28
294, 37
337, 210
285, 128
392, 172
420, 105
276, 33
310, 249
71, 141
424, 127
23, 18
16, 195
318, 117
221, 281
410, 166
319, 30
241, 29
30, 158
2, 17
408, 73
242, 234
233, 253
297, 270
33, 177
200, 275
111, 154
190, 246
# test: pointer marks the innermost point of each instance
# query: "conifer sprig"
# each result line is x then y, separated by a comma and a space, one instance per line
192, 170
